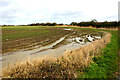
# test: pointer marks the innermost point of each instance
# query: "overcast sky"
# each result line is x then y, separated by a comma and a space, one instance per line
60, 11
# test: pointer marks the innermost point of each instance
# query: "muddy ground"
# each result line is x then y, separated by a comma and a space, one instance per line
19, 37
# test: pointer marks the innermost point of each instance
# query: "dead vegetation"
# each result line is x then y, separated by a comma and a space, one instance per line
61, 67
111, 28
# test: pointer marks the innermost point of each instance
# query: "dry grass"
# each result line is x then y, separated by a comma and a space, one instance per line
114, 28
61, 67
100, 28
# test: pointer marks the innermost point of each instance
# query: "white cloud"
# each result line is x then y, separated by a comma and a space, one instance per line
60, 11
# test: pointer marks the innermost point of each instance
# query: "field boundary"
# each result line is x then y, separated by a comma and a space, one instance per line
91, 27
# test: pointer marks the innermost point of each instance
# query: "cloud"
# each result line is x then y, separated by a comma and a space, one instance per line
66, 17
4, 3
8, 16
112, 17
60, 11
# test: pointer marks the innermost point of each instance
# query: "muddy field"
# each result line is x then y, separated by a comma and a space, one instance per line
14, 38
21, 43
19, 37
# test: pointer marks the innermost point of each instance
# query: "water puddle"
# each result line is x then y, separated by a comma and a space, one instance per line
67, 42
68, 29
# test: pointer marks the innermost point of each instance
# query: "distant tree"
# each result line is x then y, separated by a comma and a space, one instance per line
54, 24
42, 24
60, 24
94, 20
48, 24
4, 25
37, 24
73, 23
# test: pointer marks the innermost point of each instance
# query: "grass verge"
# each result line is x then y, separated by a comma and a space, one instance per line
106, 65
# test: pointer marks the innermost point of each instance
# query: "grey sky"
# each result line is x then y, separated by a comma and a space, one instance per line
60, 11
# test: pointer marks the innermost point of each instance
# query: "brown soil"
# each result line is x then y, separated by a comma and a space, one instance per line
14, 44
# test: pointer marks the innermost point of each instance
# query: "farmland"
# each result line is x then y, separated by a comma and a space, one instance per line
14, 38
23, 37
90, 61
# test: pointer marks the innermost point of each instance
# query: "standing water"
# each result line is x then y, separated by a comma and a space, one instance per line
68, 42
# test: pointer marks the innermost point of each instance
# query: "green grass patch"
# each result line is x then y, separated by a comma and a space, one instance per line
13, 33
106, 65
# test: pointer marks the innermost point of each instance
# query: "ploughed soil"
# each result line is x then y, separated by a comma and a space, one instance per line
14, 38
26, 37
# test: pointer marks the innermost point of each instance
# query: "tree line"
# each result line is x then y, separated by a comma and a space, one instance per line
94, 23
39, 24
43, 24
